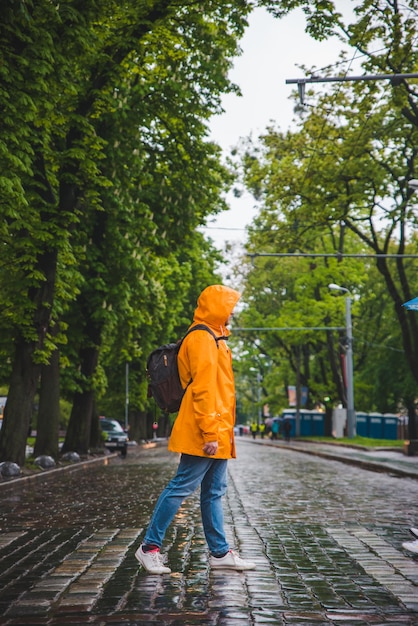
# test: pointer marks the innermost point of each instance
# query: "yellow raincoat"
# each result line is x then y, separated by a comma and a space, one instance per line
207, 411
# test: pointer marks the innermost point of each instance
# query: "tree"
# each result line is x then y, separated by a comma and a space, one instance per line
88, 86
168, 191
31, 237
340, 184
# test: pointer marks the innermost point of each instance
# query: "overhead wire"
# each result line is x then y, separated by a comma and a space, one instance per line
338, 90
315, 150
317, 142
368, 117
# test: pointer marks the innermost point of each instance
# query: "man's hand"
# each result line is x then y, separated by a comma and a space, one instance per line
210, 448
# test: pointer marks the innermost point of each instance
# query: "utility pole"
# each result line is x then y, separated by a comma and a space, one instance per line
298, 392
349, 373
126, 396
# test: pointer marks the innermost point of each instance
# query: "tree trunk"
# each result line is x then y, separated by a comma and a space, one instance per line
79, 426
164, 425
412, 420
336, 368
49, 409
138, 426
19, 407
96, 440
26, 371
328, 421
408, 322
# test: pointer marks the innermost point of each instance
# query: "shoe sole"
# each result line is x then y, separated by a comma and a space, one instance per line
410, 547
414, 532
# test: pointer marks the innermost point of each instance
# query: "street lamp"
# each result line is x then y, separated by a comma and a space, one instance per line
126, 396
351, 415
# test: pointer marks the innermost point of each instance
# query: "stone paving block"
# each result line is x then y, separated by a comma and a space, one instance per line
319, 560
6, 539
309, 619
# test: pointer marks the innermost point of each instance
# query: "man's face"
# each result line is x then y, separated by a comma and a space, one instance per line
229, 320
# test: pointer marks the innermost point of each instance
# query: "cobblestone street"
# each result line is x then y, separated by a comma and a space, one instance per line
326, 538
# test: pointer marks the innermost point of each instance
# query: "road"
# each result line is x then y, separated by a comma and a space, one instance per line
326, 538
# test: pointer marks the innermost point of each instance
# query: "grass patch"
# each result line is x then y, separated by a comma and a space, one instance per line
359, 441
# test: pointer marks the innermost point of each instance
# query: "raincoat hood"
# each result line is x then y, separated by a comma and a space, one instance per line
215, 304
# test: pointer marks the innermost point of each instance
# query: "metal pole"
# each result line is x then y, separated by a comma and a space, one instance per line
331, 255
338, 79
126, 395
351, 416
298, 394
259, 398
269, 328
395, 79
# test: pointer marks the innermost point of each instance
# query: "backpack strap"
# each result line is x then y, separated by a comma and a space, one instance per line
201, 327
204, 327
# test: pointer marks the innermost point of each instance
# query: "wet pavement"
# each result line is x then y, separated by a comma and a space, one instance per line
383, 459
326, 537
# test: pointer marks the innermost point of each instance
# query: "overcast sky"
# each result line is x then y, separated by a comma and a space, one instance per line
272, 51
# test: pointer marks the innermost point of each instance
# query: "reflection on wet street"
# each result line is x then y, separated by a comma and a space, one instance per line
119, 494
326, 538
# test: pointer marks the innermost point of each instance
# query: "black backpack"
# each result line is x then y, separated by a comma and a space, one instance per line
163, 375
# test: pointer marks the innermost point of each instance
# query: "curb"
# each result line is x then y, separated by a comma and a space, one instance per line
369, 465
80, 465
22, 480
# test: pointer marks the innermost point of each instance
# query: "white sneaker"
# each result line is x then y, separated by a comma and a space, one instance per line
412, 546
231, 560
414, 532
152, 561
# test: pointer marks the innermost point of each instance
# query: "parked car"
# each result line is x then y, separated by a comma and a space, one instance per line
114, 436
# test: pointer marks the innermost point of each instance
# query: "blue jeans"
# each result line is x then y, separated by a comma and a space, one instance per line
193, 471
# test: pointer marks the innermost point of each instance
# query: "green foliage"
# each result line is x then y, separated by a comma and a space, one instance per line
336, 186
107, 172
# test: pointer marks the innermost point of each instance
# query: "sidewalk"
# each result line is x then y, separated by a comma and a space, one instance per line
388, 460
83, 464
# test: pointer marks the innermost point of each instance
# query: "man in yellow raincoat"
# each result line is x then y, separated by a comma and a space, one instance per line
203, 433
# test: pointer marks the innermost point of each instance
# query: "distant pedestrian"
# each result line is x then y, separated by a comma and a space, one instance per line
254, 429
203, 433
262, 430
412, 546
287, 427
274, 429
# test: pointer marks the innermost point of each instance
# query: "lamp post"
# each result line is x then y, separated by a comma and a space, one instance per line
126, 396
351, 416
